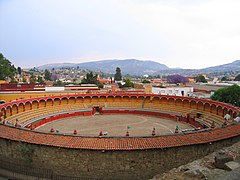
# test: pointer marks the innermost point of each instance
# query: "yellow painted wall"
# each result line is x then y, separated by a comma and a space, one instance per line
13, 96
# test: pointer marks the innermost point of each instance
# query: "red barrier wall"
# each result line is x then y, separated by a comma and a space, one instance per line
53, 118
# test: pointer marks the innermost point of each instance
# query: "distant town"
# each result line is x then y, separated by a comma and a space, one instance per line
68, 79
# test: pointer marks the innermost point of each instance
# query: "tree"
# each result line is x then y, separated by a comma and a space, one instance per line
40, 79
19, 70
237, 78
24, 79
47, 75
118, 75
7, 70
91, 79
177, 79
33, 79
224, 78
128, 83
145, 81
58, 83
201, 78
228, 95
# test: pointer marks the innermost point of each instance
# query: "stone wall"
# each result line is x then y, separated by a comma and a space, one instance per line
134, 164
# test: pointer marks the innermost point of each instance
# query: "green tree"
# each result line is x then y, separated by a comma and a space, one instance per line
224, 79
40, 79
7, 70
19, 70
145, 81
118, 75
128, 83
24, 79
58, 83
237, 78
201, 78
33, 79
91, 79
228, 95
47, 75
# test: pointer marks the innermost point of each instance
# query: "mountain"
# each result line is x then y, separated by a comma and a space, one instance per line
234, 66
139, 67
128, 66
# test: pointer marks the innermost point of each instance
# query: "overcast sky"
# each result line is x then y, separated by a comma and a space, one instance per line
178, 33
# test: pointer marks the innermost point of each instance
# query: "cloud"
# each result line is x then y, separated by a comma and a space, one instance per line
189, 34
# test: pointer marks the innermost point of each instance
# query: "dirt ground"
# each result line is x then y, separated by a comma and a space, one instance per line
114, 125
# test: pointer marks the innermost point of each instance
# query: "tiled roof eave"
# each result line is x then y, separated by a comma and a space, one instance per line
118, 143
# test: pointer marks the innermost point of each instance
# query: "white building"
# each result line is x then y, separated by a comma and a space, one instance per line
173, 91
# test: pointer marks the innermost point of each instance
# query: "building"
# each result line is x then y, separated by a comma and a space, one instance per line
173, 90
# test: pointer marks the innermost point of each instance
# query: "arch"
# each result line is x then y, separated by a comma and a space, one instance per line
94, 99
34, 104
8, 111
14, 109
225, 111
79, 100
200, 105
163, 100
230, 112
110, 99
214, 108
155, 100
20, 107
2, 111
171, 101
42, 103
179, 102
193, 104
140, 99
147, 99
102, 99
49, 102
235, 114
135, 99
87, 99
125, 99
71, 100
220, 110
64, 101
57, 101
28, 106
207, 107
186, 103
117, 99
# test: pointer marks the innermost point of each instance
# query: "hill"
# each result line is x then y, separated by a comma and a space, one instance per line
139, 67
128, 66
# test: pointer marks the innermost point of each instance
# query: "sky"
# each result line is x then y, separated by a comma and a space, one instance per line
177, 33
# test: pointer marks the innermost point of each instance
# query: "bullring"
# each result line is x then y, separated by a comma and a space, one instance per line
74, 156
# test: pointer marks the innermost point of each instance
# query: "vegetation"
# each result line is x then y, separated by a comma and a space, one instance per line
47, 75
177, 79
128, 83
40, 79
19, 70
228, 95
201, 78
224, 79
118, 74
33, 79
145, 81
7, 70
237, 78
91, 79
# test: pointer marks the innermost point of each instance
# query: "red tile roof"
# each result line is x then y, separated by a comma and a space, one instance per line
118, 143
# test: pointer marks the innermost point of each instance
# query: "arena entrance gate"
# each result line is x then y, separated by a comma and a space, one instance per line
97, 110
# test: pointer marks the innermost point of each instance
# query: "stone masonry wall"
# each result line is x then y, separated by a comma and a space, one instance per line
135, 164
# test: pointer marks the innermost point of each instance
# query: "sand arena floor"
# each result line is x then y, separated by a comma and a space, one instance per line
114, 125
